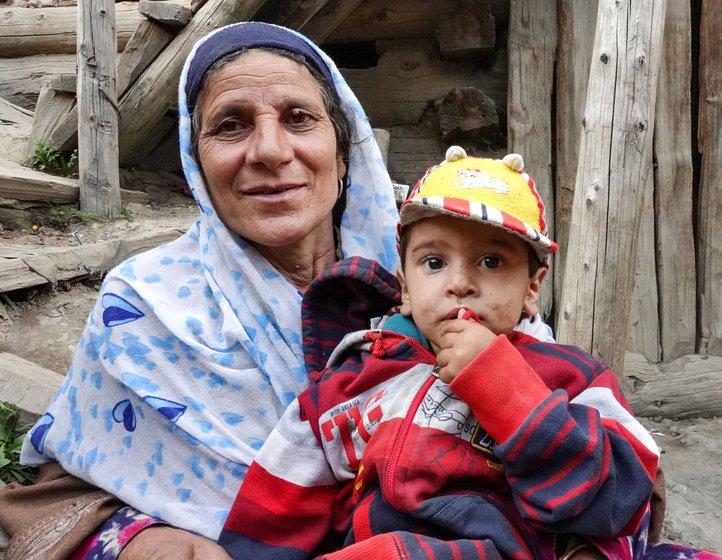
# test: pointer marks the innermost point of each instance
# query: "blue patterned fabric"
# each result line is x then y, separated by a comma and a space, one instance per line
193, 351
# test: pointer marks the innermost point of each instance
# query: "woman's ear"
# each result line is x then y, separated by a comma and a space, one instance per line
531, 301
405, 298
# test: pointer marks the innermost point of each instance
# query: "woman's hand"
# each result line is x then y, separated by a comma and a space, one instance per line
160, 542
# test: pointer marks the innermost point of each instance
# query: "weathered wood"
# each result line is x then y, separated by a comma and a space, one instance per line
15, 126
688, 387
166, 13
50, 114
468, 115
21, 267
27, 385
643, 337
325, 22
576, 22
34, 31
408, 77
614, 160
532, 49
156, 88
676, 269
97, 110
374, 20
709, 134
22, 78
296, 13
13, 114
67, 83
467, 32
24, 184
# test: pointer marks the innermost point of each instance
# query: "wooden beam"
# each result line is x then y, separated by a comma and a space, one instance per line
325, 22
156, 89
50, 116
709, 231
673, 186
614, 157
22, 78
166, 13
27, 385
688, 387
97, 109
34, 31
532, 52
297, 13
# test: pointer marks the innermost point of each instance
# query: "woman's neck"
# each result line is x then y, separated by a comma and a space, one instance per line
301, 263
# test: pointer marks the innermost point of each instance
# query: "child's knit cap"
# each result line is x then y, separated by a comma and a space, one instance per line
496, 192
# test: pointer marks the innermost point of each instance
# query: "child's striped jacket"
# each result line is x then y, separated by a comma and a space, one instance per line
530, 440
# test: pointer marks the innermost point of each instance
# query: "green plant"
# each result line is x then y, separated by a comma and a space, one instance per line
126, 214
62, 216
11, 440
51, 160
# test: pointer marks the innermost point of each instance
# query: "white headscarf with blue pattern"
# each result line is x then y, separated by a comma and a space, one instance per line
193, 352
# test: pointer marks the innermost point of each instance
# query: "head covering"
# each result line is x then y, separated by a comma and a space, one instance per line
194, 349
492, 191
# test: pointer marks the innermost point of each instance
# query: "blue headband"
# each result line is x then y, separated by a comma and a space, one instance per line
250, 34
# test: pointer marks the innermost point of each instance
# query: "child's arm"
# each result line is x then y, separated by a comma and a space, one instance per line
583, 465
283, 509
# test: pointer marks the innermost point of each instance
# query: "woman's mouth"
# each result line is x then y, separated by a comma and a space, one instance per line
271, 191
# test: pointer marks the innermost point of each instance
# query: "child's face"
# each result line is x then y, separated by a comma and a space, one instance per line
452, 263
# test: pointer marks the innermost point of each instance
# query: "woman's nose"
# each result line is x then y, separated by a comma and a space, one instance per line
269, 144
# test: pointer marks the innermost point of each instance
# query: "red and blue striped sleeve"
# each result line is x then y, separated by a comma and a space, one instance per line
579, 465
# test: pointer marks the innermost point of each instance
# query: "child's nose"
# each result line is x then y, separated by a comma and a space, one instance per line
462, 284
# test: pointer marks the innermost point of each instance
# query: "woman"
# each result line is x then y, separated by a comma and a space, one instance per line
194, 349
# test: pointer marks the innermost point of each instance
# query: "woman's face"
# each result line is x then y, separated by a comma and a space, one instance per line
268, 151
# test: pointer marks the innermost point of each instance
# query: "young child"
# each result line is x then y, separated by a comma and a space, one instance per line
441, 432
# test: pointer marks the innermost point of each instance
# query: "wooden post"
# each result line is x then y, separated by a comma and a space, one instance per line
576, 20
532, 48
97, 109
614, 156
710, 184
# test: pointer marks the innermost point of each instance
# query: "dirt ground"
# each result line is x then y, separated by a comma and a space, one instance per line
43, 325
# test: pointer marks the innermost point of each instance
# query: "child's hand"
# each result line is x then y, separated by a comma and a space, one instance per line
461, 341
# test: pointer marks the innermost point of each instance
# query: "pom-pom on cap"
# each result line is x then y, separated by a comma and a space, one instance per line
496, 192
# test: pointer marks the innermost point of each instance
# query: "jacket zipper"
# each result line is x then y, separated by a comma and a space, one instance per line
388, 487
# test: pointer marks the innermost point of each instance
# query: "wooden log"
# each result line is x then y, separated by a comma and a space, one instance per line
614, 160
22, 78
15, 126
21, 267
326, 21
673, 187
467, 32
15, 115
24, 184
165, 13
532, 51
97, 110
576, 21
156, 89
50, 115
34, 31
67, 83
688, 387
27, 385
709, 232
293, 13
408, 77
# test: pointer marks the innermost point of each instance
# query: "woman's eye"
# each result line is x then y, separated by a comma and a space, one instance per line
297, 117
490, 262
232, 127
433, 263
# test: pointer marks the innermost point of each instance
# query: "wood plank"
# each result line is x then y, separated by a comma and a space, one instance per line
297, 13
15, 125
643, 337
22, 78
27, 385
576, 23
709, 231
688, 387
15, 115
325, 22
22, 267
156, 88
51, 113
35, 31
97, 110
165, 13
532, 51
409, 76
673, 186
614, 157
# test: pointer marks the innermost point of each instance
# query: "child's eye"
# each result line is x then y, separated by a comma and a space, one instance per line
490, 262
432, 263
